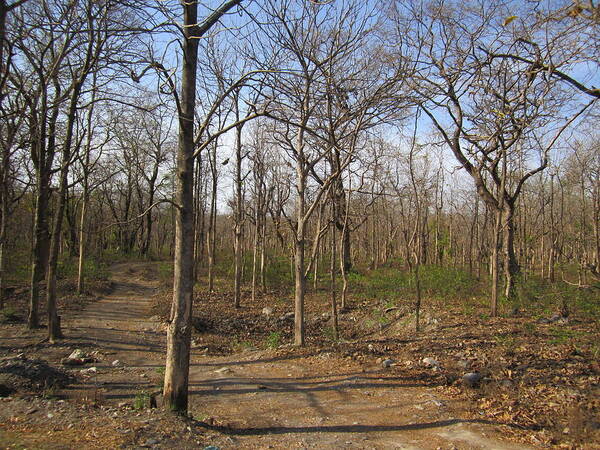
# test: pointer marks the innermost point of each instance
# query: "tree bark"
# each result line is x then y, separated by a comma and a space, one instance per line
238, 218
300, 280
511, 266
180, 325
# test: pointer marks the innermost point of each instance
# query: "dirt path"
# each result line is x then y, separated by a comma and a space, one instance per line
265, 399
324, 402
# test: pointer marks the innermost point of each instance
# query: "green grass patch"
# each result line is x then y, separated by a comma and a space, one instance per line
562, 335
274, 340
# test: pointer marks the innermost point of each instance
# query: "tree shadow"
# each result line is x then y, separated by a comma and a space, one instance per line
231, 431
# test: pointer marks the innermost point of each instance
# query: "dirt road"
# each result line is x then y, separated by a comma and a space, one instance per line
262, 398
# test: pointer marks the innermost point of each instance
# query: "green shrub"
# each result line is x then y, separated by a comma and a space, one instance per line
9, 314
274, 339
142, 400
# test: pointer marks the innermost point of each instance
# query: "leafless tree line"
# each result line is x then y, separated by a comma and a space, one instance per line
346, 133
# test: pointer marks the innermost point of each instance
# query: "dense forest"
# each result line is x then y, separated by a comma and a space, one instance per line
301, 147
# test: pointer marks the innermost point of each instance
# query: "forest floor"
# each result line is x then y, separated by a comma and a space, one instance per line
251, 389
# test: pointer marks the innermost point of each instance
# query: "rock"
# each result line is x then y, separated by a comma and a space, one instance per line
287, 316
371, 348
471, 379
150, 442
555, 318
267, 311
116, 363
76, 358
77, 354
123, 404
430, 362
224, 370
89, 371
464, 364
387, 363
325, 316
248, 349
211, 447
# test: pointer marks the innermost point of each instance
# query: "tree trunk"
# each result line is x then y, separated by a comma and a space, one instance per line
300, 280
82, 238
238, 218
54, 331
4, 219
4, 212
332, 269
300, 286
40, 250
494, 267
212, 220
180, 327
511, 267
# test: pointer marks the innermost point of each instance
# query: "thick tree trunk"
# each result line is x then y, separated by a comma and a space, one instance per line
149, 222
179, 330
4, 215
300, 279
4, 212
82, 238
332, 269
212, 222
511, 266
238, 219
54, 331
494, 266
263, 243
300, 286
255, 257
40, 250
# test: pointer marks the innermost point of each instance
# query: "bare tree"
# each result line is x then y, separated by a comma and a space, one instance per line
488, 112
179, 329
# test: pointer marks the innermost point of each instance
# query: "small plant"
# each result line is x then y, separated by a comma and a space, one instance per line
274, 339
329, 333
50, 392
370, 323
201, 417
468, 309
240, 346
529, 328
380, 318
9, 314
563, 335
390, 304
507, 341
160, 370
142, 400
